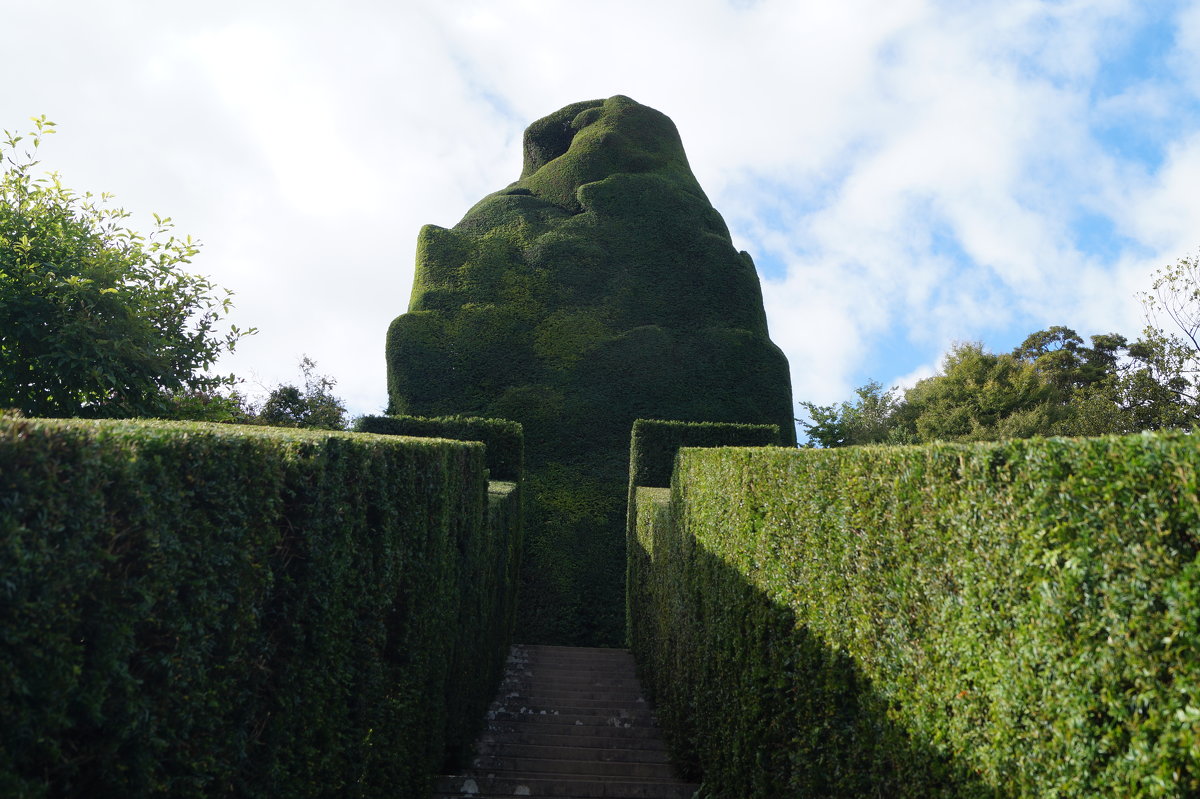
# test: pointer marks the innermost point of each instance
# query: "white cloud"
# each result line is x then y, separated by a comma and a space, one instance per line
915, 168
1164, 211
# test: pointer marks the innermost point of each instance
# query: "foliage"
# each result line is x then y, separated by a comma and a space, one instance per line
654, 444
981, 396
1051, 384
95, 318
314, 406
599, 288
1174, 359
866, 421
653, 447
229, 407
988, 620
503, 440
199, 610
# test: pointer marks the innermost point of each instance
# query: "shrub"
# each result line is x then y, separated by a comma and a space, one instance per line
195, 609
95, 318
652, 449
654, 444
996, 620
503, 440
601, 288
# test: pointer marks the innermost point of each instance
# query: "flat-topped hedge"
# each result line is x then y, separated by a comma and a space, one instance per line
197, 610
653, 445
504, 440
1018, 619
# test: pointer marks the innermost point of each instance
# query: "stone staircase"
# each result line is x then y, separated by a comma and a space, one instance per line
569, 722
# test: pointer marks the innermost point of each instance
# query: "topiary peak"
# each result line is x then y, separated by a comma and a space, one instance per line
600, 287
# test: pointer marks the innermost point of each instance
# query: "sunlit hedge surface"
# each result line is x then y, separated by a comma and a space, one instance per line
652, 449
655, 442
191, 610
998, 620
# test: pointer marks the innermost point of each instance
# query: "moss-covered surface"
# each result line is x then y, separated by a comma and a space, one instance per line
599, 288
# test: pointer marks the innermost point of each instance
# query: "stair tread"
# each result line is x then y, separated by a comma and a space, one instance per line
565, 785
569, 722
548, 752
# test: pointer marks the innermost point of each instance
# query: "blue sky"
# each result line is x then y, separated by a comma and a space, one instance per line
906, 173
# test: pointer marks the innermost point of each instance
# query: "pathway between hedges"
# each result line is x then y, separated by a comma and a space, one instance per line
569, 722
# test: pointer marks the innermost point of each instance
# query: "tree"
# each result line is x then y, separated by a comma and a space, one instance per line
979, 396
95, 318
1172, 359
1051, 384
868, 420
313, 406
225, 406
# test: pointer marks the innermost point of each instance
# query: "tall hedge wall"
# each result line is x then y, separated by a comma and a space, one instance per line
1001, 620
197, 610
503, 440
599, 288
653, 446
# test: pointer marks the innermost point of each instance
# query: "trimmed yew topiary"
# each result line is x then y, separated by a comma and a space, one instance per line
599, 288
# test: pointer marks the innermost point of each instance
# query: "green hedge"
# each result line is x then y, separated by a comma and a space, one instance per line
997, 620
653, 445
503, 439
194, 610
600, 288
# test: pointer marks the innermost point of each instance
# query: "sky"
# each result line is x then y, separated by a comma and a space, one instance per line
907, 174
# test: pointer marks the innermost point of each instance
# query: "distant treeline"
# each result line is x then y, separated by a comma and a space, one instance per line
1052, 384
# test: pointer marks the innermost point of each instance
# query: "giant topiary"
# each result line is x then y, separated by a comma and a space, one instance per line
600, 288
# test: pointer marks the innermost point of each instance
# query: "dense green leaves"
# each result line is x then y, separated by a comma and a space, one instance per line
96, 319
1052, 384
503, 440
654, 443
314, 406
199, 610
599, 288
865, 421
988, 620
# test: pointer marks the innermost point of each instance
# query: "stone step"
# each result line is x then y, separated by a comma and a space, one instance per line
549, 722
572, 678
623, 665
571, 750
572, 674
586, 653
573, 700
586, 714
582, 702
560, 785
587, 767
631, 689
568, 723
573, 735
615, 659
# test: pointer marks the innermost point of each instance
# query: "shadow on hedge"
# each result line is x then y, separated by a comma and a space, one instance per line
755, 706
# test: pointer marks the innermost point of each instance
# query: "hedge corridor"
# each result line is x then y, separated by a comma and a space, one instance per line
1018, 619
198, 610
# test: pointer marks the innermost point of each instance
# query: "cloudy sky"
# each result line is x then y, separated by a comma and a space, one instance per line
906, 173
